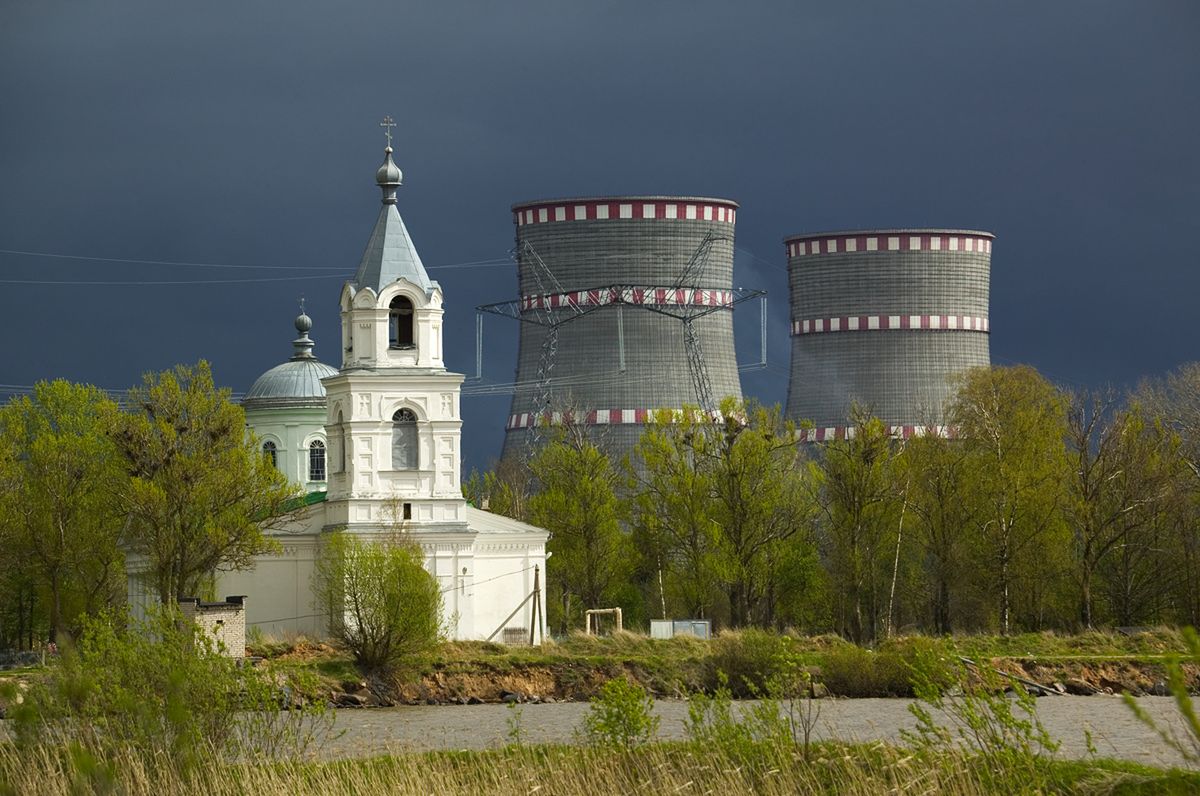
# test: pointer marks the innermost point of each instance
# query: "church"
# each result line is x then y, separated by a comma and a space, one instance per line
375, 447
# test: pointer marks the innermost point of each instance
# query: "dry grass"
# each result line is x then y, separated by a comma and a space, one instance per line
659, 768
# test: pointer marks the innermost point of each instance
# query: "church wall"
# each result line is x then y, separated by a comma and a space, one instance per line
503, 578
292, 430
279, 590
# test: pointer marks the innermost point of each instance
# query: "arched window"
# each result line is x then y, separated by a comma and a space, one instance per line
271, 453
343, 442
316, 460
400, 323
404, 440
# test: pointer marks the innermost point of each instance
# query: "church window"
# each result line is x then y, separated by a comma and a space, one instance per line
316, 461
404, 440
400, 323
271, 452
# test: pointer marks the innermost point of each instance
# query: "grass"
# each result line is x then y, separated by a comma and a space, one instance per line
572, 771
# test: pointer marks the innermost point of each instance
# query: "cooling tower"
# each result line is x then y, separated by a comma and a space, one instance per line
885, 318
607, 286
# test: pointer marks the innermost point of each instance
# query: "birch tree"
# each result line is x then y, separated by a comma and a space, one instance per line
1012, 422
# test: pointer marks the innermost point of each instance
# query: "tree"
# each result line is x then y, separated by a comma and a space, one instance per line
935, 467
382, 603
674, 513
723, 497
1174, 401
1122, 472
860, 497
591, 556
503, 490
1012, 422
60, 472
760, 477
199, 493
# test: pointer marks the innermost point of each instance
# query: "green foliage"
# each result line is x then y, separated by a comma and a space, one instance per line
940, 505
720, 504
860, 499
58, 522
591, 555
516, 731
1012, 423
853, 671
504, 490
622, 715
746, 661
1003, 731
163, 688
199, 493
382, 603
714, 722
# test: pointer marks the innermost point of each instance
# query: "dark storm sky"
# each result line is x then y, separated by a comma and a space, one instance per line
246, 133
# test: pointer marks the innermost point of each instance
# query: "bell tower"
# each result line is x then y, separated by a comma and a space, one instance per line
393, 425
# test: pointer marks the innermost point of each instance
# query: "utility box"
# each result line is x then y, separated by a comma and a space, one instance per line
670, 628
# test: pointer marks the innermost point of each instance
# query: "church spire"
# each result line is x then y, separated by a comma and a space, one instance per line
390, 253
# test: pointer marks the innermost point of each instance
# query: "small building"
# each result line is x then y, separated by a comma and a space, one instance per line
225, 621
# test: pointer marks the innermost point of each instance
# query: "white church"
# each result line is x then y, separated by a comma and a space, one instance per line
375, 446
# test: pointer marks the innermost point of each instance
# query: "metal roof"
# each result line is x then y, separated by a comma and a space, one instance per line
390, 253
295, 383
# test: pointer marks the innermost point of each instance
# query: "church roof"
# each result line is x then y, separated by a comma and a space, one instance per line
390, 253
295, 383
486, 522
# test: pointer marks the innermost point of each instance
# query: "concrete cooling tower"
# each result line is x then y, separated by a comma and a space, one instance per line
885, 318
625, 308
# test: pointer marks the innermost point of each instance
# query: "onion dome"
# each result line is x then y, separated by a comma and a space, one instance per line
295, 383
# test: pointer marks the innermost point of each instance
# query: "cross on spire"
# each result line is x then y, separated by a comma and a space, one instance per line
387, 124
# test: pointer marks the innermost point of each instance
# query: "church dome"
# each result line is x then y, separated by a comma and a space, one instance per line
295, 383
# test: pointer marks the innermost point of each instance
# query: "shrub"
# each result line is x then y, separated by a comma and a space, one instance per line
711, 721
852, 671
621, 715
160, 687
752, 660
1005, 733
382, 603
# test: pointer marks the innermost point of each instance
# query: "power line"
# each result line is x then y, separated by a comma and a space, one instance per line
493, 262
161, 262
142, 283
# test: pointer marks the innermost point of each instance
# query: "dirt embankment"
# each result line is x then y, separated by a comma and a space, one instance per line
1088, 678
575, 682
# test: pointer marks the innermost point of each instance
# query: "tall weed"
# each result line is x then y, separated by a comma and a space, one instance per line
1003, 731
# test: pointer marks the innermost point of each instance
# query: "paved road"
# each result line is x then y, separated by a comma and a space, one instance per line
1115, 732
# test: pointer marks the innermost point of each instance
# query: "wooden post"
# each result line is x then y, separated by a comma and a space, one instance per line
535, 612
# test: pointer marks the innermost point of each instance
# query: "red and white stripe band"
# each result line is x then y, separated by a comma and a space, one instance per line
629, 210
660, 296
906, 242
829, 433
596, 417
865, 323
